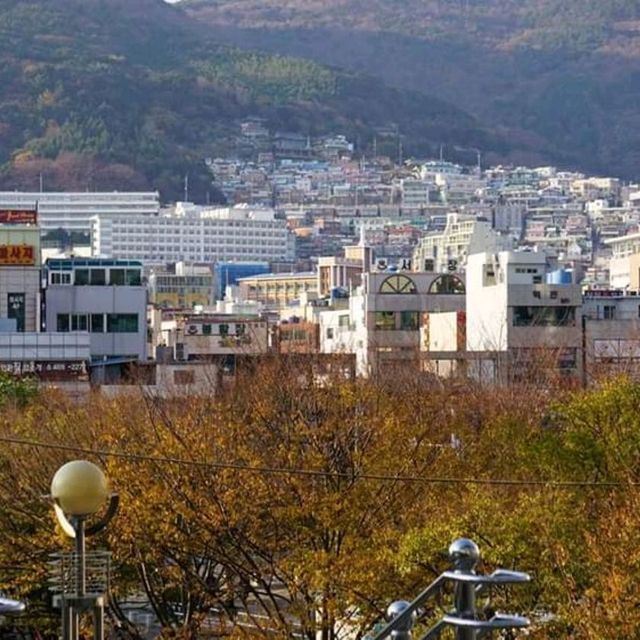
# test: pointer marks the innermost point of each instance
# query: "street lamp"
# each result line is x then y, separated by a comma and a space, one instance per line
78, 490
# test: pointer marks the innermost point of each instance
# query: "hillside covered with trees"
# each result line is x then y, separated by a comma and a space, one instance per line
105, 94
561, 76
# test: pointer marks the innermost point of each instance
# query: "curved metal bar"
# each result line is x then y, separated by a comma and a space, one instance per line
499, 621
406, 614
497, 577
66, 525
114, 502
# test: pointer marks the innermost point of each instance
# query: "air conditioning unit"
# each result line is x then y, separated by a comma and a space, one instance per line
452, 265
382, 264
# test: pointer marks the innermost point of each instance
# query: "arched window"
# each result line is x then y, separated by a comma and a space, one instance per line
398, 283
447, 284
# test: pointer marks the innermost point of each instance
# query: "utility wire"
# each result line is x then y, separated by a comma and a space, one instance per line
265, 470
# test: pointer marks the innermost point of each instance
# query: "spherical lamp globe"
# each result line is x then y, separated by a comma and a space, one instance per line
80, 487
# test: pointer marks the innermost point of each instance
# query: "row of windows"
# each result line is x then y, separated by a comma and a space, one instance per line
401, 284
223, 329
97, 322
397, 320
98, 277
544, 316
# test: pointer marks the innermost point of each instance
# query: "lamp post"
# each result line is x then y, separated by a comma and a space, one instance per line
78, 490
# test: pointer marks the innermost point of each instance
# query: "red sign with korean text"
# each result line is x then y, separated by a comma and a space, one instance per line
21, 254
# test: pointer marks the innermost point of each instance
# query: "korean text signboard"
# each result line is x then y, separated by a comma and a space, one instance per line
19, 254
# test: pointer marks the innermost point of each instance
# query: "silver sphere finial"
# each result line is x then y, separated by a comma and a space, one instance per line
395, 609
464, 554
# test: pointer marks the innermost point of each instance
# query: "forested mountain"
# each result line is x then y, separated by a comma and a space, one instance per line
562, 76
102, 94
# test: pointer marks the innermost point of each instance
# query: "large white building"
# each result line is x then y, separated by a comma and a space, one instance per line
519, 310
463, 235
209, 235
73, 211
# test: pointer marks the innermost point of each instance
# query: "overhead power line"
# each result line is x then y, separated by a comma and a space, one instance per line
315, 473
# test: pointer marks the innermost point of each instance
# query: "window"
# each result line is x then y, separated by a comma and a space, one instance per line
609, 312
223, 330
343, 320
385, 320
97, 323
62, 322
183, 376
398, 284
240, 329
206, 329
78, 322
544, 316
329, 333
82, 276
116, 277
16, 309
553, 295
447, 284
409, 320
60, 278
132, 277
98, 277
122, 323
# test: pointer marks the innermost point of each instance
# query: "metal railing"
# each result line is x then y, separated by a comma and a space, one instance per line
464, 617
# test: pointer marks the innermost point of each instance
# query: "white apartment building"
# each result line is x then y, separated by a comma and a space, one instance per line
622, 249
210, 235
382, 325
73, 211
462, 236
515, 314
462, 187
416, 193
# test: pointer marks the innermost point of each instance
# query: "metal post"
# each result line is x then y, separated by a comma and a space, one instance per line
81, 573
464, 554
98, 620
402, 631
74, 619
67, 613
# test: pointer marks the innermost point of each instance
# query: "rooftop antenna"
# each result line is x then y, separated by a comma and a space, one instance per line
441, 152
375, 147
186, 187
41, 183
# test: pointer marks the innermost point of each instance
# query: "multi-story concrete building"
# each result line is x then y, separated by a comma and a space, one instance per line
73, 211
463, 235
104, 297
20, 277
182, 287
382, 324
277, 290
235, 233
515, 312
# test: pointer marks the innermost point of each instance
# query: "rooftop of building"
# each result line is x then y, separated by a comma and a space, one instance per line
279, 276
